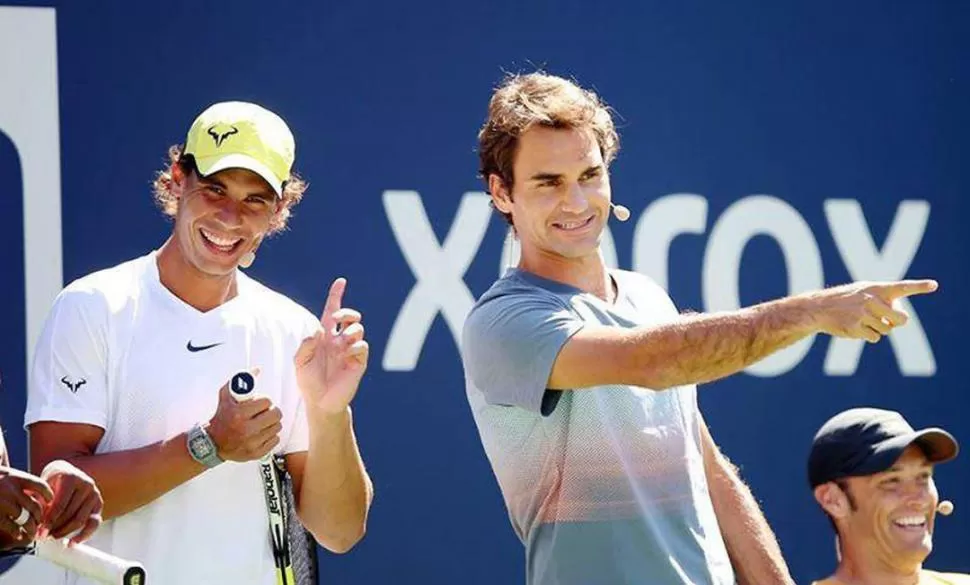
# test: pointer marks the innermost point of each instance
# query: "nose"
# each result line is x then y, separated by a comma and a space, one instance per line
918, 497
229, 214
575, 200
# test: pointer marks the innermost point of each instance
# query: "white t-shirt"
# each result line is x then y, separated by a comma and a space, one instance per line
121, 352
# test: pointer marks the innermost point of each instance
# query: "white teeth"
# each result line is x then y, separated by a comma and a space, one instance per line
219, 241
571, 225
911, 521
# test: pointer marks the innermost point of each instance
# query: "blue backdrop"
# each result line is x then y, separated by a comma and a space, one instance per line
765, 148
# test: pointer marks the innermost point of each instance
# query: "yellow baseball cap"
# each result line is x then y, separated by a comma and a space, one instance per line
242, 135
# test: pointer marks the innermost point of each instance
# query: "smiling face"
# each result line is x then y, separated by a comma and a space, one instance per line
560, 199
221, 217
891, 521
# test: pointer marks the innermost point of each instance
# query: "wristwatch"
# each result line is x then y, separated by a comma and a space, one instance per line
202, 448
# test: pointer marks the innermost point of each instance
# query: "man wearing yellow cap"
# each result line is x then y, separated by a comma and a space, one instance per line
131, 376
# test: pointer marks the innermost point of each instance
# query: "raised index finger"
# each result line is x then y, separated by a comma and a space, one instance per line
905, 288
334, 298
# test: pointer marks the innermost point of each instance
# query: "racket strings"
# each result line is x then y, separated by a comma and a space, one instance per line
302, 548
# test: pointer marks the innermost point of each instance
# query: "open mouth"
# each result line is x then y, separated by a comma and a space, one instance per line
573, 225
219, 244
911, 523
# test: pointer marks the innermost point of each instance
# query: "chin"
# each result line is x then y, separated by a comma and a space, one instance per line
215, 267
913, 552
578, 249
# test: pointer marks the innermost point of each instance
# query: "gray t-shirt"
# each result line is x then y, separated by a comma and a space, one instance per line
603, 485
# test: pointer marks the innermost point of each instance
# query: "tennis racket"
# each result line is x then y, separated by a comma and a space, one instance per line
241, 387
302, 545
89, 562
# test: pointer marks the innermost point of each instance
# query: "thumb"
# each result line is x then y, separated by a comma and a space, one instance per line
305, 351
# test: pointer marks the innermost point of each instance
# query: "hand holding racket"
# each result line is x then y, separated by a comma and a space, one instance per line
63, 502
245, 430
22, 500
330, 363
242, 388
75, 510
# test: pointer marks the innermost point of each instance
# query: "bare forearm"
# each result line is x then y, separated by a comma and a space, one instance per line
336, 492
751, 544
706, 347
131, 479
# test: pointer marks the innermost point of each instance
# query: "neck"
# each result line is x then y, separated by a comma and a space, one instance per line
182, 279
588, 274
862, 569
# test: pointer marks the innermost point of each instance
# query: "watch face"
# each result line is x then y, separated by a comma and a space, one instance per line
201, 447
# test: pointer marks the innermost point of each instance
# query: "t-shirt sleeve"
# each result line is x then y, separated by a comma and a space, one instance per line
68, 379
509, 345
299, 434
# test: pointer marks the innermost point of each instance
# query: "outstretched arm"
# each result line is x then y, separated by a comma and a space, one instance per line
706, 347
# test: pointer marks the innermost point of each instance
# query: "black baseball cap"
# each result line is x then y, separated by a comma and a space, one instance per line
864, 441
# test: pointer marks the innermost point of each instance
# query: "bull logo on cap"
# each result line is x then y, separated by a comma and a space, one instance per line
219, 133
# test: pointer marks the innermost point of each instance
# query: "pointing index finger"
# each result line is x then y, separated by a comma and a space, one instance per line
905, 288
334, 298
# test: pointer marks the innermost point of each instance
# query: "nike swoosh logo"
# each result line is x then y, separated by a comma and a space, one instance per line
195, 348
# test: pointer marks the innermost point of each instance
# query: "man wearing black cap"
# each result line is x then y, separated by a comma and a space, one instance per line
872, 473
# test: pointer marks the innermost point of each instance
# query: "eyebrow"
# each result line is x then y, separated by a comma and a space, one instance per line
267, 194
897, 468
212, 181
539, 177
545, 176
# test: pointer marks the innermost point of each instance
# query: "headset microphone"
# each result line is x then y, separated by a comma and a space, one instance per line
621, 212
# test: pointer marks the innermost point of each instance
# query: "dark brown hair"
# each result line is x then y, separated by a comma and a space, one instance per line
293, 189
523, 101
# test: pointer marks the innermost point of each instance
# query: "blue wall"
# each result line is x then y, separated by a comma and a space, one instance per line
860, 105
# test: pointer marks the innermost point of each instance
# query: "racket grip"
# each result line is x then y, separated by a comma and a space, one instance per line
242, 385
91, 562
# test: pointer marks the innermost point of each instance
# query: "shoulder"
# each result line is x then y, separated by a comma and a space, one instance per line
513, 296
104, 290
515, 287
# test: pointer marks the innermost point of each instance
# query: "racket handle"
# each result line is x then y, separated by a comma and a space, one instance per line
91, 562
242, 385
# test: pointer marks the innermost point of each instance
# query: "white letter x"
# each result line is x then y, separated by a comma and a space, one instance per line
439, 270
866, 262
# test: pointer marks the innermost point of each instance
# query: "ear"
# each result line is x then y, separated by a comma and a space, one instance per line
833, 500
178, 180
501, 196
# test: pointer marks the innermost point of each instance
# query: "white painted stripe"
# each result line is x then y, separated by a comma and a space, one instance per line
29, 117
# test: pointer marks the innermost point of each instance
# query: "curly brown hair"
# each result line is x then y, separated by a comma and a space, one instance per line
293, 189
522, 101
